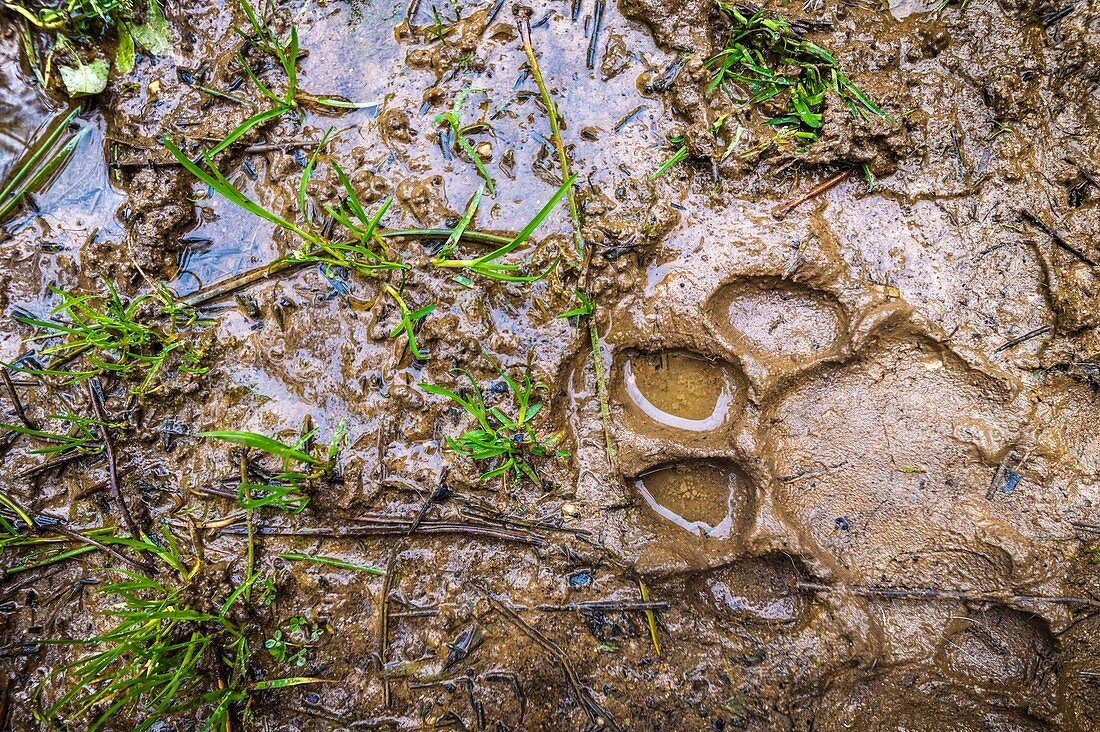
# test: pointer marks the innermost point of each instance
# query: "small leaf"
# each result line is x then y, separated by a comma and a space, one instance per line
85, 78
154, 35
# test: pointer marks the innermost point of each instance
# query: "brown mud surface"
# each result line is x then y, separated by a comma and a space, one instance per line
859, 501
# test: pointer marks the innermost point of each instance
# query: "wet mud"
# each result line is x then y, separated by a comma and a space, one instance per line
856, 460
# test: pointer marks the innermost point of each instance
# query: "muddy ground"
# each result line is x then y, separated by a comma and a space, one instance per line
862, 502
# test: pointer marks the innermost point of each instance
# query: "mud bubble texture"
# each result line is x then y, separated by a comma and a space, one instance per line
857, 453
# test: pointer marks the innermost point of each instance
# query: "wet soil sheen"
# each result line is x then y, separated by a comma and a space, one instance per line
856, 448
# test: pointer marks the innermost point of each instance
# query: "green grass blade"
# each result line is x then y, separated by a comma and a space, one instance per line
263, 444
332, 562
40, 151
245, 126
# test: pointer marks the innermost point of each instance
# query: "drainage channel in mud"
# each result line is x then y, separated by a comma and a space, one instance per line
389, 404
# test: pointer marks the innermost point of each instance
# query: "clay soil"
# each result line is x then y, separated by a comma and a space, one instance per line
855, 450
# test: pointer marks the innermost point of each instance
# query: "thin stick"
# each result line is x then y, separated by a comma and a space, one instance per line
597, 715
597, 26
1059, 240
236, 282
15, 401
76, 536
601, 392
250, 558
112, 463
1025, 337
399, 527
384, 626
84, 492
286, 265
440, 492
523, 21
780, 212
1084, 173
605, 605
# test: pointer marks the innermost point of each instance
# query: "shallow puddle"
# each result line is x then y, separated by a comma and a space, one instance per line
680, 391
700, 498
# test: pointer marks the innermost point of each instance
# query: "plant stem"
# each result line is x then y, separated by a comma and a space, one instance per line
112, 463
250, 559
601, 391
523, 20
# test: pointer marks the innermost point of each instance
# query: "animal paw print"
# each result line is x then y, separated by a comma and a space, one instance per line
814, 418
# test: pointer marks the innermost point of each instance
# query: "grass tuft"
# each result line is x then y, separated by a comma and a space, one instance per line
106, 335
766, 64
504, 435
158, 658
284, 488
366, 249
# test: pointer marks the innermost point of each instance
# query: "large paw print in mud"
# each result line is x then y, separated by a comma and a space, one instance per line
821, 422
793, 446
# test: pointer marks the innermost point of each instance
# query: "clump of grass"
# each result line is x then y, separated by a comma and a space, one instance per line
766, 64
77, 434
490, 265
159, 657
286, 52
504, 435
366, 249
409, 319
98, 335
453, 120
285, 488
42, 542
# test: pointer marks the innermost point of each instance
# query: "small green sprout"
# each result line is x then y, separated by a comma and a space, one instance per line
293, 646
408, 322
70, 27
506, 438
10, 514
587, 306
673, 160
453, 120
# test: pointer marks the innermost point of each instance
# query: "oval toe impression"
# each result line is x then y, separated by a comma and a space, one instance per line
676, 390
778, 320
703, 498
